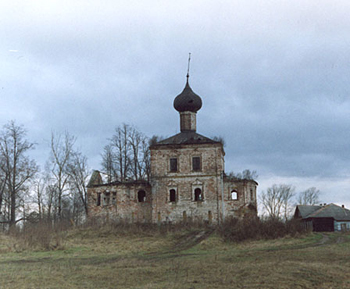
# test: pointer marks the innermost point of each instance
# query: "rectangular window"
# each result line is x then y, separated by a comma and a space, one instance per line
106, 198
98, 201
251, 194
196, 163
173, 164
114, 198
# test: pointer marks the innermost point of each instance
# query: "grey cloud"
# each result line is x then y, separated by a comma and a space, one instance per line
273, 76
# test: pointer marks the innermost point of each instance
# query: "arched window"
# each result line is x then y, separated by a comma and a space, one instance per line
172, 195
198, 195
234, 195
141, 196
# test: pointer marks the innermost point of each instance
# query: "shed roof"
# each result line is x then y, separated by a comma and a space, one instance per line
328, 211
306, 210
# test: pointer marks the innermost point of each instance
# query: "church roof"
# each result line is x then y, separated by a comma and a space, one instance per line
186, 137
187, 100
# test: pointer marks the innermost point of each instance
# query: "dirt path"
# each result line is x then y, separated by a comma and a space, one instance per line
185, 242
326, 240
190, 240
340, 240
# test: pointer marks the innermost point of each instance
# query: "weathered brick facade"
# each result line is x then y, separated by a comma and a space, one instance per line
120, 201
187, 180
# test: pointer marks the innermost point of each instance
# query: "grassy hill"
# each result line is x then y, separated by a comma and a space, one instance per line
194, 258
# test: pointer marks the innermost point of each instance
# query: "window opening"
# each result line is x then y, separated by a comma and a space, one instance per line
173, 164
114, 198
198, 195
196, 163
210, 217
106, 199
98, 201
343, 227
172, 195
141, 196
251, 194
234, 195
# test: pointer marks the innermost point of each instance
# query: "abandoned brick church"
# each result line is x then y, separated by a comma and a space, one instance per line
187, 181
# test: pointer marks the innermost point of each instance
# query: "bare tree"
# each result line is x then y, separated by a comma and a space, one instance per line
17, 168
120, 144
146, 159
135, 140
108, 164
61, 154
309, 197
140, 154
39, 186
51, 201
3, 181
245, 175
288, 194
277, 200
127, 156
79, 174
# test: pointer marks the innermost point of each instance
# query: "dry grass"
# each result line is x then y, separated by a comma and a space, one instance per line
102, 258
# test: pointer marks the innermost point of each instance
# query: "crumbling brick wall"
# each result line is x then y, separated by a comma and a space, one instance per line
239, 197
203, 195
120, 201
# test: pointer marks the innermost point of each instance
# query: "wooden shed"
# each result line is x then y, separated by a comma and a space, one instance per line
324, 218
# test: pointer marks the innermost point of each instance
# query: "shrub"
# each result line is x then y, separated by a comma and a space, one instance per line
252, 228
122, 227
40, 236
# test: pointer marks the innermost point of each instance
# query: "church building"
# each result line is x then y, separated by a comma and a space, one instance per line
187, 182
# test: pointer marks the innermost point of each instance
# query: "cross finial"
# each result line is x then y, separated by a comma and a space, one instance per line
188, 66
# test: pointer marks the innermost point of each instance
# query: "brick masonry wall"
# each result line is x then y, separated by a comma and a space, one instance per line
126, 207
246, 195
185, 181
217, 191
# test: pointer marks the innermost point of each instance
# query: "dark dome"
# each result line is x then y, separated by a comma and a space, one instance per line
187, 100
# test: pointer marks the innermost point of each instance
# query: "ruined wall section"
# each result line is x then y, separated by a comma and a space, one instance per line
120, 202
240, 197
185, 182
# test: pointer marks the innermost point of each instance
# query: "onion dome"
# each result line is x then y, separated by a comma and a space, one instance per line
187, 100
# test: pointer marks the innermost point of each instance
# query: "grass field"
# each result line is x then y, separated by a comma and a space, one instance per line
101, 258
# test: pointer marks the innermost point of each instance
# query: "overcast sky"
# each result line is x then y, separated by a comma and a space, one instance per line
273, 77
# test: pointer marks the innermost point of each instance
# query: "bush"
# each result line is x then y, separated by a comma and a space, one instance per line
101, 226
252, 228
40, 236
